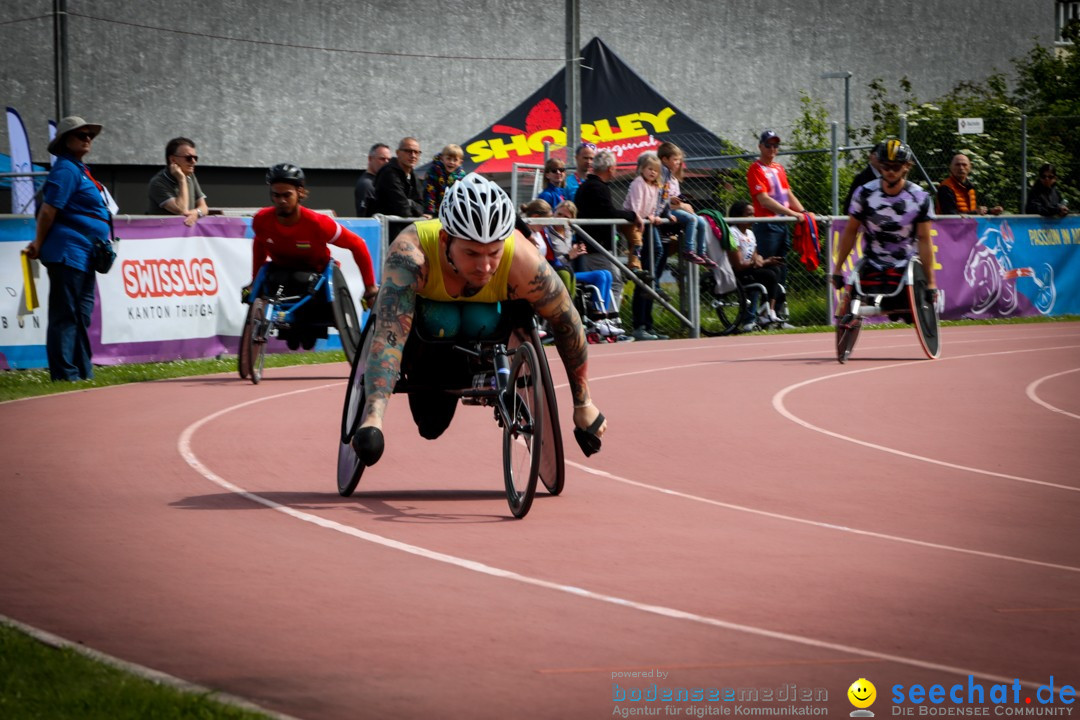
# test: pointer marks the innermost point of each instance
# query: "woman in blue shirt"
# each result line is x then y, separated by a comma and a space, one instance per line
73, 213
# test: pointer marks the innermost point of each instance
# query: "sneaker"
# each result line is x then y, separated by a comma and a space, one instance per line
659, 335
694, 258
613, 328
603, 328
642, 334
709, 262
748, 328
781, 325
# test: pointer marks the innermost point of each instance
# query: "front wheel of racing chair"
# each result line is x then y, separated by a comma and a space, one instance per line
848, 325
924, 310
523, 434
252, 350
346, 318
349, 466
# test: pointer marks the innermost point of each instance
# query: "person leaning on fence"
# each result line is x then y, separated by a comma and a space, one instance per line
445, 170
364, 192
956, 195
1044, 198
554, 192
583, 162
174, 190
73, 215
772, 196
397, 188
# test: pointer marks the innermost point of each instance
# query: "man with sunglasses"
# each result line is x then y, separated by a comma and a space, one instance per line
895, 215
397, 188
174, 190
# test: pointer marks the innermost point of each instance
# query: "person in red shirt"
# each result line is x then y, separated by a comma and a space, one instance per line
294, 238
772, 196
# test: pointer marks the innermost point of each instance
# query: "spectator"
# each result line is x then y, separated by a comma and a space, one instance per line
364, 193
643, 197
397, 189
73, 214
751, 268
554, 192
870, 172
673, 202
174, 189
445, 170
583, 158
772, 196
956, 194
1044, 198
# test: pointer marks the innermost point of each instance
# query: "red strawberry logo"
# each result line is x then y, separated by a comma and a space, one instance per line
545, 115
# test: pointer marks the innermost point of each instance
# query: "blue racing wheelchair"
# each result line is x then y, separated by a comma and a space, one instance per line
298, 307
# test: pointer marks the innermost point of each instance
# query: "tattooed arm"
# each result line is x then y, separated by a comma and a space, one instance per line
532, 279
404, 273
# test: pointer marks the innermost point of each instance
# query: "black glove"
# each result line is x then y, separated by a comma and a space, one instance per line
838, 282
245, 294
931, 297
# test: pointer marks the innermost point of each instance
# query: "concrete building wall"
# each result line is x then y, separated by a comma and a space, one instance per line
269, 95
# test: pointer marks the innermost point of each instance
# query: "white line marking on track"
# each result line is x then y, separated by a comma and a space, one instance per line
1030, 390
189, 456
778, 405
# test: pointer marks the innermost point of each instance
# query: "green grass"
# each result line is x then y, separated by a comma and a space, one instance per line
17, 384
41, 682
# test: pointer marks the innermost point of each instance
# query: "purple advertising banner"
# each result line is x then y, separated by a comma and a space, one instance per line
999, 266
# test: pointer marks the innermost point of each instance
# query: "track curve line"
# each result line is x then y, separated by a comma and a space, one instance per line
1030, 390
189, 456
778, 405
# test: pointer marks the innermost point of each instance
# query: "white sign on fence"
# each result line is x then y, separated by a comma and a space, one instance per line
970, 126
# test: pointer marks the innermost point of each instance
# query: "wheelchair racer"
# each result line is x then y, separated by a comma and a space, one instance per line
896, 215
473, 251
294, 238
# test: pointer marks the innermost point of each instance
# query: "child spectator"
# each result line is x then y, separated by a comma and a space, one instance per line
445, 171
695, 228
643, 198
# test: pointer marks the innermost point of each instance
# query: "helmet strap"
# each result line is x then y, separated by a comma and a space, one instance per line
449, 261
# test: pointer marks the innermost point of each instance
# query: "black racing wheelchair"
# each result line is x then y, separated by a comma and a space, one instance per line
505, 370
297, 307
901, 295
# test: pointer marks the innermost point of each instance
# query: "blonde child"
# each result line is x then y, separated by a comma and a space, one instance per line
695, 228
445, 171
643, 198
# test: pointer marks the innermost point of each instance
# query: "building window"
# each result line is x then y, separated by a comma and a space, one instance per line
1067, 11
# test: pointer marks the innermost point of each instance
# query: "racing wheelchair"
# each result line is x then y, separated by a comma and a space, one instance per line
505, 370
901, 295
297, 307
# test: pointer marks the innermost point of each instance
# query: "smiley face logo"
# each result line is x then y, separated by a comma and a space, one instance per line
862, 693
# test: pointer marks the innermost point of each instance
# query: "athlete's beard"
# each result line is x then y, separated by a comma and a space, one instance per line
899, 181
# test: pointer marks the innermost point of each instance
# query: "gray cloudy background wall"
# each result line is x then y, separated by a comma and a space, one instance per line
732, 66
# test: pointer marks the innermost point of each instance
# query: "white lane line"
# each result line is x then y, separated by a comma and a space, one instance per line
778, 405
818, 523
1030, 390
184, 447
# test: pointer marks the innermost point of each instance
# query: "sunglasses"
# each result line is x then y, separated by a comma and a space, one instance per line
772, 144
557, 170
409, 150
191, 158
893, 167
82, 135
1048, 177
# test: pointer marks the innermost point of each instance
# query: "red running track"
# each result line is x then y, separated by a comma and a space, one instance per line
761, 517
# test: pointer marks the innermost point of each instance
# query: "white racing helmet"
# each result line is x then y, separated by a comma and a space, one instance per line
477, 209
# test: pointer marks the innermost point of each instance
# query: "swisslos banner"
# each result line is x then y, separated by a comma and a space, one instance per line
174, 291
619, 112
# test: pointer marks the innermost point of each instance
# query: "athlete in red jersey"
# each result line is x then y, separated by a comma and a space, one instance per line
296, 238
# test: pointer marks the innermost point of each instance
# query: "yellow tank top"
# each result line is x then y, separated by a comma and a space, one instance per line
495, 291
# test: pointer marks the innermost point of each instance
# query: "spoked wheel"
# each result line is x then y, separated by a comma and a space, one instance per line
253, 342
847, 330
728, 308
924, 313
523, 435
349, 467
345, 316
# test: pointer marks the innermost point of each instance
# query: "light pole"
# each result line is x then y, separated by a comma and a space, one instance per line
846, 74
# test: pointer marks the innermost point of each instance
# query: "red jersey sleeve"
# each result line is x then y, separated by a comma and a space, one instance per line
343, 237
258, 246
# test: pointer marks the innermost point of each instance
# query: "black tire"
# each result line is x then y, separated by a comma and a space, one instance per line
847, 331
346, 318
243, 352
349, 467
552, 464
523, 435
255, 332
728, 308
923, 313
